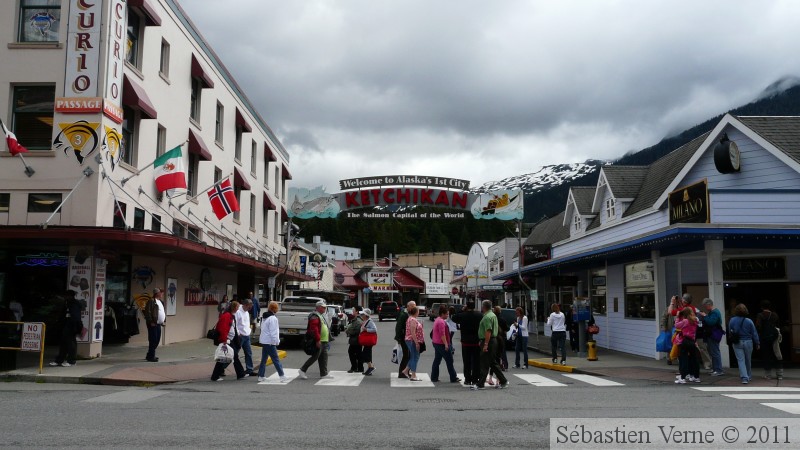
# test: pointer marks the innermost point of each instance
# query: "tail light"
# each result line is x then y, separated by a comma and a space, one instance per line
379, 309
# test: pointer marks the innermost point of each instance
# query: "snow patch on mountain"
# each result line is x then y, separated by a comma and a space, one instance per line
546, 177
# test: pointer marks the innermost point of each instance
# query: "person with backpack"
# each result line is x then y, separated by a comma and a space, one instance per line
320, 331
767, 323
353, 348
368, 326
743, 336
226, 326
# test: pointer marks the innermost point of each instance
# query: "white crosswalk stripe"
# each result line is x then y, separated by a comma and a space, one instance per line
340, 378
593, 380
424, 381
128, 396
763, 396
274, 379
791, 408
539, 380
760, 393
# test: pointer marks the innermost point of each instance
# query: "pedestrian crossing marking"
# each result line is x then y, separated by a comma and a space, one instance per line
763, 396
761, 393
424, 381
341, 378
274, 379
791, 408
746, 389
593, 380
128, 396
538, 380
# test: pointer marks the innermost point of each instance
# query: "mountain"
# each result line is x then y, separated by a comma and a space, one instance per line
545, 178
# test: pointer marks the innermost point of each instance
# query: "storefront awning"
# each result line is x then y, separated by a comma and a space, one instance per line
404, 280
242, 122
134, 96
199, 73
269, 155
240, 180
198, 147
147, 9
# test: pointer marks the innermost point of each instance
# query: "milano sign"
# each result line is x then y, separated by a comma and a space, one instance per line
396, 197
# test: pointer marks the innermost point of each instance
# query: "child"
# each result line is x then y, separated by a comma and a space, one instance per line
688, 360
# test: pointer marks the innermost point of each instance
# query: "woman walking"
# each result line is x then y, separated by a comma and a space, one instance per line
269, 340
354, 349
744, 336
368, 326
689, 357
414, 338
558, 339
442, 346
521, 343
226, 327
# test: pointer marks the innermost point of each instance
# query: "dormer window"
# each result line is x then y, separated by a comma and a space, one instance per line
576, 221
611, 209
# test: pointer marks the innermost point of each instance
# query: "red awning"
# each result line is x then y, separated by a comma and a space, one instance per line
284, 214
351, 280
134, 96
198, 147
148, 11
240, 120
199, 73
286, 174
240, 180
405, 280
269, 205
269, 155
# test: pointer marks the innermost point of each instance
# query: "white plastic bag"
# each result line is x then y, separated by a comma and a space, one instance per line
224, 353
397, 354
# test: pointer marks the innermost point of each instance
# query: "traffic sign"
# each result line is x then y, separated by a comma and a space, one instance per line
32, 337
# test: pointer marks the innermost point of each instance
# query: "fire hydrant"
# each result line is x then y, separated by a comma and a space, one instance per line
592, 352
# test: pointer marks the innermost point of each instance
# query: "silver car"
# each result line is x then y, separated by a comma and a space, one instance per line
337, 318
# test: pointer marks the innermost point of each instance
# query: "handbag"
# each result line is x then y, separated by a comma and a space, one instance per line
223, 354
213, 334
367, 339
422, 347
716, 333
733, 336
593, 329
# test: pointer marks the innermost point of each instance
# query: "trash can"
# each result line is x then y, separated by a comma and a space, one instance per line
592, 351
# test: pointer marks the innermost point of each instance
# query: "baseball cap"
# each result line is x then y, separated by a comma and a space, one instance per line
365, 312
321, 303
156, 291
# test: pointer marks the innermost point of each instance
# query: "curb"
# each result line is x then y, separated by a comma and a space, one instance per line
546, 364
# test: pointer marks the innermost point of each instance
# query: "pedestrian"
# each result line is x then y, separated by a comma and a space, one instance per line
226, 326
502, 350
255, 313
155, 317
442, 346
367, 326
469, 321
269, 339
414, 338
676, 304
400, 338
354, 348
744, 336
558, 338
487, 333
452, 326
521, 343
712, 323
668, 325
320, 330
243, 322
767, 323
571, 325
71, 325
689, 358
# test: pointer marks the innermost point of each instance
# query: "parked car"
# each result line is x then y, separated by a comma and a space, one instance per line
423, 310
388, 310
433, 313
338, 319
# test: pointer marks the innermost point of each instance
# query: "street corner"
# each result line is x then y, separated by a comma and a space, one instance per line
545, 363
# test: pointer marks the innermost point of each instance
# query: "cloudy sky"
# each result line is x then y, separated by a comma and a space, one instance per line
482, 90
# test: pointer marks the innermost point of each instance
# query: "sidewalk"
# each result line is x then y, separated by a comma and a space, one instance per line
124, 365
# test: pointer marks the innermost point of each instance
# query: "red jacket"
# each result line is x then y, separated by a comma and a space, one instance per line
224, 326
315, 326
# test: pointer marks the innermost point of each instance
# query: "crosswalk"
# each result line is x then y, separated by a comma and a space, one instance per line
341, 378
760, 393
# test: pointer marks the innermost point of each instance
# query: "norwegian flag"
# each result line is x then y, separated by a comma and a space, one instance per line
223, 199
13, 146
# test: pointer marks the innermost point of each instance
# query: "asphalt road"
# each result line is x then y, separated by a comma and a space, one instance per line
367, 412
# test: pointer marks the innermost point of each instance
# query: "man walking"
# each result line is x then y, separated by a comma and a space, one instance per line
487, 332
255, 315
242, 318
318, 328
469, 320
400, 337
155, 317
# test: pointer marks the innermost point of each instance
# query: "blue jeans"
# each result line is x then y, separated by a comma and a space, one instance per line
716, 356
248, 353
153, 339
269, 351
521, 346
413, 356
743, 351
442, 352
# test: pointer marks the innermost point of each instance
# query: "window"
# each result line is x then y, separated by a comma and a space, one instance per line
120, 210
39, 20
32, 116
138, 219
118, 279
217, 174
197, 90
163, 67
611, 209
237, 151
191, 176
129, 124
45, 203
132, 43
277, 226
253, 158
277, 182
252, 212
161, 140
266, 173
640, 297
218, 124
155, 225
178, 229
264, 221
238, 191
5, 200
598, 292
576, 221
193, 233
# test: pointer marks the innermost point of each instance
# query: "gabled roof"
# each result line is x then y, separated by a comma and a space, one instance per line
549, 231
782, 132
625, 181
583, 196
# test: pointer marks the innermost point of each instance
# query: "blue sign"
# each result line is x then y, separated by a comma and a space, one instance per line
303, 264
42, 260
458, 272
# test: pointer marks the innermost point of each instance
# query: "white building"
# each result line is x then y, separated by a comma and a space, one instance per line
333, 252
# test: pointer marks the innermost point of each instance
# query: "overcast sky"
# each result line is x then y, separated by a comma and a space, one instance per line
483, 90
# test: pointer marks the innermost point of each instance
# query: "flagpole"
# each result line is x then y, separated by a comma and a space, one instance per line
203, 191
136, 174
87, 172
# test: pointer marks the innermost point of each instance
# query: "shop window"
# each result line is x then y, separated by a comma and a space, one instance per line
43, 203
5, 200
39, 20
197, 90
32, 116
118, 277
253, 158
598, 292
129, 125
252, 212
155, 225
120, 209
218, 123
132, 50
163, 66
640, 298
138, 219
191, 175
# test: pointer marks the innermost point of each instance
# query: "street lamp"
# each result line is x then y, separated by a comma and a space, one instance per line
477, 271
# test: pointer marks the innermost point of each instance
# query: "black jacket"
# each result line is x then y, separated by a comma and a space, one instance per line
468, 322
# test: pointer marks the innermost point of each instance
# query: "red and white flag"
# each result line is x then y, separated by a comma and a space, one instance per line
223, 199
11, 140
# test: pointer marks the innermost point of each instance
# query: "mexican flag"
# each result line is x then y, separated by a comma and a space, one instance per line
11, 140
169, 171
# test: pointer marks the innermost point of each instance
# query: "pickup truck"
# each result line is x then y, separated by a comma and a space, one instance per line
293, 315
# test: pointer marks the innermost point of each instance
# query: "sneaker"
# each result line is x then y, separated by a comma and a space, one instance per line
526, 367
717, 374
680, 381
457, 380
260, 379
284, 380
218, 379
66, 364
555, 360
302, 375
696, 379
326, 376
516, 366
369, 371
475, 387
689, 378
563, 362
745, 381
503, 386
55, 364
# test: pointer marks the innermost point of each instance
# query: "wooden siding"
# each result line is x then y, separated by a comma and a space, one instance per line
635, 336
622, 232
768, 207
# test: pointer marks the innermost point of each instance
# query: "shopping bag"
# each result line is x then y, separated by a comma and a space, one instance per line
223, 353
397, 354
664, 342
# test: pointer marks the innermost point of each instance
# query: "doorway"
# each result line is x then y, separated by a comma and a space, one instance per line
751, 295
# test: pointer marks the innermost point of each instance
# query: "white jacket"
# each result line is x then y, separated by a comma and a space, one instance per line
269, 331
